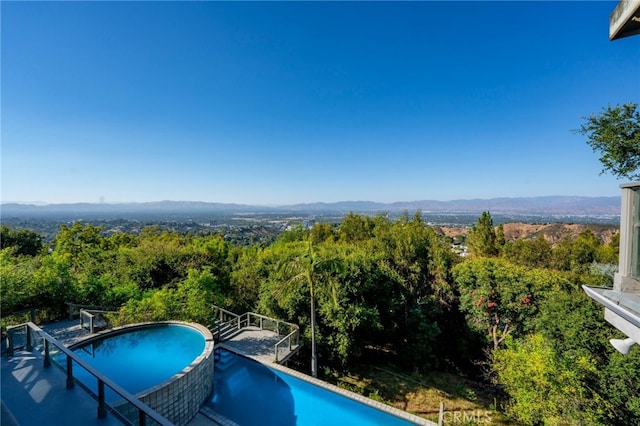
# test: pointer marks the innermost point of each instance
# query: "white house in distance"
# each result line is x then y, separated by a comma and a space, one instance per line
622, 303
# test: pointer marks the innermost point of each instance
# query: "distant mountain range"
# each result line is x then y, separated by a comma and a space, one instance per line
550, 205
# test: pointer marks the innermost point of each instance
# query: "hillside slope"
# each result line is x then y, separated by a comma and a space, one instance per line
552, 232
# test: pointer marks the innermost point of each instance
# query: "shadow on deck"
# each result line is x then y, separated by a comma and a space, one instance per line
32, 394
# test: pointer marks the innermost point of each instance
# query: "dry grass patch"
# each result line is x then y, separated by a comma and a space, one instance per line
422, 394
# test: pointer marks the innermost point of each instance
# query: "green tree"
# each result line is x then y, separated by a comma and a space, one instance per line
482, 239
159, 259
615, 134
532, 253
247, 274
500, 238
198, 293
296, 233
498, 297
155, 305
17, 290
321, 232
79, 239
572, 323
24, 241
54, 284
608, 253
620, 383
577, 254
355, 227
545, 387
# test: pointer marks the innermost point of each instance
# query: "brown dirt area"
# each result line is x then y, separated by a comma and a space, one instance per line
552, 232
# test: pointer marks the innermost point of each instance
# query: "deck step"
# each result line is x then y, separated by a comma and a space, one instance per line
224, 367
227, 332
217, 418
224, 360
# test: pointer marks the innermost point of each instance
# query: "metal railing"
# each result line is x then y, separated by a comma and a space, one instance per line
33, 314
290, 342
224, 319
284, 347
75, 310
32, 331
89, 318
38, 315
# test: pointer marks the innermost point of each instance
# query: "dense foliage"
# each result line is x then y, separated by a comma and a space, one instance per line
393, 290
615, 134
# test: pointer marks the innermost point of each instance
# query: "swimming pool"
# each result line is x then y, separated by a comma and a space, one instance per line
168, 366
250, 393
140, 359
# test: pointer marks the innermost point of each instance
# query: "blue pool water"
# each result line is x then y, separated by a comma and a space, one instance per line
250, 393
140, 359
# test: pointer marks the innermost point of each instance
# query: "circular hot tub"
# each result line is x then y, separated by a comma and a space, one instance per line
167, 365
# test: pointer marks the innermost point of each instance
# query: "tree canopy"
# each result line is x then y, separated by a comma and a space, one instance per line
388, 291
482, 240
24, 241
615, 134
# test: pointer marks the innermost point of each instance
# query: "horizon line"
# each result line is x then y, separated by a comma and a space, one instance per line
272, 205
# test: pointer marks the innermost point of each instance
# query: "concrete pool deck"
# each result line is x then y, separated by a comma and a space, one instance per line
32, 394
253, 343
66, 332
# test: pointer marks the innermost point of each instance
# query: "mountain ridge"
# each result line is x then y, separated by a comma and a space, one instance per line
554, 205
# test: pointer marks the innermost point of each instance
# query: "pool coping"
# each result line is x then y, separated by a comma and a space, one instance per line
124, 328
335, 389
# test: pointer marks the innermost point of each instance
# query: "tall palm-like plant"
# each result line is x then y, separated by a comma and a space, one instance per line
305, 270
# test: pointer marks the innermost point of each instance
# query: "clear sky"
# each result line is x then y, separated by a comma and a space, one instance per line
280, 103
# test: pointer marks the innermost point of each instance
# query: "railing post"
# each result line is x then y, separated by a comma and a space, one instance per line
260, 323
47, 358
9, 343
28, 345
91, 323
102, 408
70, 382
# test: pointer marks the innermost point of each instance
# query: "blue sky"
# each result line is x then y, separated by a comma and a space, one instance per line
280, 103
